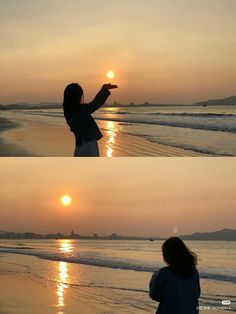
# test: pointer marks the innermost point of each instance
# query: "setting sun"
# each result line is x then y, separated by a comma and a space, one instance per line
65, 200
110, 74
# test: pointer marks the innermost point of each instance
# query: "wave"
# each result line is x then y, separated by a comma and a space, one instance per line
202, 115
184, 146
178, 124
109, 263
17, 247
209, 121
176, 114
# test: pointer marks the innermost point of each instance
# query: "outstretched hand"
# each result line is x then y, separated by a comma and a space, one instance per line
108, 86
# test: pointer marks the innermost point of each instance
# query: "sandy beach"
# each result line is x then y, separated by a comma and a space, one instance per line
7, 149
28, 135
48, 285
24, 276
23, 292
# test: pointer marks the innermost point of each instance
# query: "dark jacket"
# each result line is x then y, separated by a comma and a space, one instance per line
176, 294
81, 122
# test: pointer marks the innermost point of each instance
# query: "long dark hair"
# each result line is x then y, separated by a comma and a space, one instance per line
73, 96
178, 256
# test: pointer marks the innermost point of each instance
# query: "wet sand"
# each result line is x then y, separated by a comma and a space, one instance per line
39, 136
26, 288
24, 293
7, 149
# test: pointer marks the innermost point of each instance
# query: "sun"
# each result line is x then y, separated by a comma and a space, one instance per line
110, 74
65, 200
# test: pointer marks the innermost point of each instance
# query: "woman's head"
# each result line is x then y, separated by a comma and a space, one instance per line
177, 255
73, 95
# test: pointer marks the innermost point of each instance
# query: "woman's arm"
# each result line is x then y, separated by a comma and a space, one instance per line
156, 285
100, 98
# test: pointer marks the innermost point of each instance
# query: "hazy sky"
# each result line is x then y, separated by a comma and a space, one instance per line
141, 196
161, 50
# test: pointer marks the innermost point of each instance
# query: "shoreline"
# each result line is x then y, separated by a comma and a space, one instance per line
52, 289
7, 149
24, 292
55, 140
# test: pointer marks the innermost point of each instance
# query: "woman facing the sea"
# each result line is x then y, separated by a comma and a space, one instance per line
79, 118
176, 287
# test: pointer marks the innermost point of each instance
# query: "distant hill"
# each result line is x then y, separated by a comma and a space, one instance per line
218, 102
47, 105
222, 235
32, 106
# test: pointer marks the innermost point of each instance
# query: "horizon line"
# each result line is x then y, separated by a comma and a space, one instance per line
2, 232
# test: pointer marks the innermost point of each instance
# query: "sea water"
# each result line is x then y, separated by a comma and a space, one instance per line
210, 129
124, 267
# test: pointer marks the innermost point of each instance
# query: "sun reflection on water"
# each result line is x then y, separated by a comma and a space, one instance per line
111, 137
61, 286
65, 246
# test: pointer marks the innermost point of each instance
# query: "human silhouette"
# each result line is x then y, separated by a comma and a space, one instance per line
79, 118
176, 287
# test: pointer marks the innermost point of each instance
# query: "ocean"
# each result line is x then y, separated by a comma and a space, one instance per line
118, 271
210, 129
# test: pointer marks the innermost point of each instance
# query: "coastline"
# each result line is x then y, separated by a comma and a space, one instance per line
24, 292
52, 289
8, 149
55, 140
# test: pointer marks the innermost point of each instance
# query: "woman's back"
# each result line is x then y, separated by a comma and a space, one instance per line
176, 294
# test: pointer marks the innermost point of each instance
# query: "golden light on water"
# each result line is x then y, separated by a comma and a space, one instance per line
110, 74
66, 246
111, 141
61, 286
111, 138
65, 200
63, 275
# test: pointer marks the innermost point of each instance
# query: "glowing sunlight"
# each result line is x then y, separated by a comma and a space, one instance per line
65, 200
110, 74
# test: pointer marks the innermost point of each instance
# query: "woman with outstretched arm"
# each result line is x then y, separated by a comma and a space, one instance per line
79, 118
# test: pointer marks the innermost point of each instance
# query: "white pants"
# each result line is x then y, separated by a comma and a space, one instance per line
87, 149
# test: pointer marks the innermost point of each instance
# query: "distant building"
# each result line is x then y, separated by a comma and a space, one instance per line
113, 236
95, 235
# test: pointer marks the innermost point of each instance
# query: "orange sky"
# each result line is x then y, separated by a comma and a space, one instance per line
141, 196
162, 51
